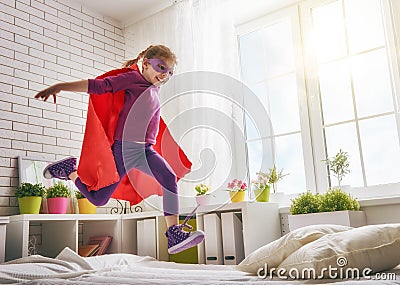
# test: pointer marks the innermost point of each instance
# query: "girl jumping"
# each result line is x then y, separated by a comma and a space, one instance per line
134, 136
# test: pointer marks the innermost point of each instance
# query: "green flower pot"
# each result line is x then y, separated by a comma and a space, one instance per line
29, 204
262, 195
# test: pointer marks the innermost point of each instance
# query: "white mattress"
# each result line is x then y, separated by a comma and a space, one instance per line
70, 268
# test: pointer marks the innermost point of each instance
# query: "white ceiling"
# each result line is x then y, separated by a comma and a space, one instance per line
126, 11
131, 11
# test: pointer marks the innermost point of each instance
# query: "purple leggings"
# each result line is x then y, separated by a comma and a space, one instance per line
143, 157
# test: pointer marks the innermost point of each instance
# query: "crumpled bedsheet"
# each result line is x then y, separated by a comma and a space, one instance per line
69, 268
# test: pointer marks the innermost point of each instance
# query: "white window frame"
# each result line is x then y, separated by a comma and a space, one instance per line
270, 19
384, 190
314, 150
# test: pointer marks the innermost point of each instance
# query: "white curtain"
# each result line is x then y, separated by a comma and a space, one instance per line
198, 104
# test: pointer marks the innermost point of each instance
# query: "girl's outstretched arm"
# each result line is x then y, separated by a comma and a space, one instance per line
75, 86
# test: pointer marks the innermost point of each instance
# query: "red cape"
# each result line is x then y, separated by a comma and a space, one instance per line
96, 165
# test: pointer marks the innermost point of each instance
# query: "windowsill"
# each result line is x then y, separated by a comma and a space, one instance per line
381, 201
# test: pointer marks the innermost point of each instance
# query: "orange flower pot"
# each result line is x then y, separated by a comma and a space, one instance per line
85, 207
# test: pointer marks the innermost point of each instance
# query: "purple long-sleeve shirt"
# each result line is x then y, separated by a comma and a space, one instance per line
140, 116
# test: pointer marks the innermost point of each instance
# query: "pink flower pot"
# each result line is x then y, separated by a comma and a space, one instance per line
57, 205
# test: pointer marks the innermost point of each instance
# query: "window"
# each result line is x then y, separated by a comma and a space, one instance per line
347, 60
352, 60
270, 70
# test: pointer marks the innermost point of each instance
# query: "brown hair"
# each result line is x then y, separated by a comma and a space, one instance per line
157, 51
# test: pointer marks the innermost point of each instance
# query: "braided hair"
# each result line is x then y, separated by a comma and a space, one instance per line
157, 51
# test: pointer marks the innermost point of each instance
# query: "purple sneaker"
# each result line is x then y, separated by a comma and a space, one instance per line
179, 240
60, 169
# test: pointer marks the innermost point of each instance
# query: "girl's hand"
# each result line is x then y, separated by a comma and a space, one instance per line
45, 94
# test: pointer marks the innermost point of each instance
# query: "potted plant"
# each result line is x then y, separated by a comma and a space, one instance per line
274, 176
30, 197
306, 203
202, 196
57, 198
237, 189
338, 165
337, 200
333, 207
84, 205
261, 187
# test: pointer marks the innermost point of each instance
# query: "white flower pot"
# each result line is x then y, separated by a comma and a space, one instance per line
203, 200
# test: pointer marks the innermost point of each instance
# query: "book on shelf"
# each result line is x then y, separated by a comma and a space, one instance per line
103, 243
88, 250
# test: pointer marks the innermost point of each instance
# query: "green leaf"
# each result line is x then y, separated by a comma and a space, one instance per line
58, 190
26, 189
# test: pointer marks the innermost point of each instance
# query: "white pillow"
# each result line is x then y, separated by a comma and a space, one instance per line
275, 252
371, 248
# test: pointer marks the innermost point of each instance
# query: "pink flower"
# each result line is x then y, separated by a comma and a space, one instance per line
237, 185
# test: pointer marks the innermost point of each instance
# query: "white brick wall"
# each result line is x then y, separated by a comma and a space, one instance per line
43, 42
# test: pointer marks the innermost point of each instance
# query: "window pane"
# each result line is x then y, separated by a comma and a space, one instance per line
261, 91
381, 150
284, 104
263, 127
365, 29
257, 151
336, 95
328, 29
344, 137
372, 86
289, 156
279, 49
251, 53
251, 131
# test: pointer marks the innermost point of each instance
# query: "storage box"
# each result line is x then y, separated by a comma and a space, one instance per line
344, 218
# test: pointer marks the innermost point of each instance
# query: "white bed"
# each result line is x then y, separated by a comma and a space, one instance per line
376, 247
70, 268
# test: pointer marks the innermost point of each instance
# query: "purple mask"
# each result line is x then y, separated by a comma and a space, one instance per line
160, 66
